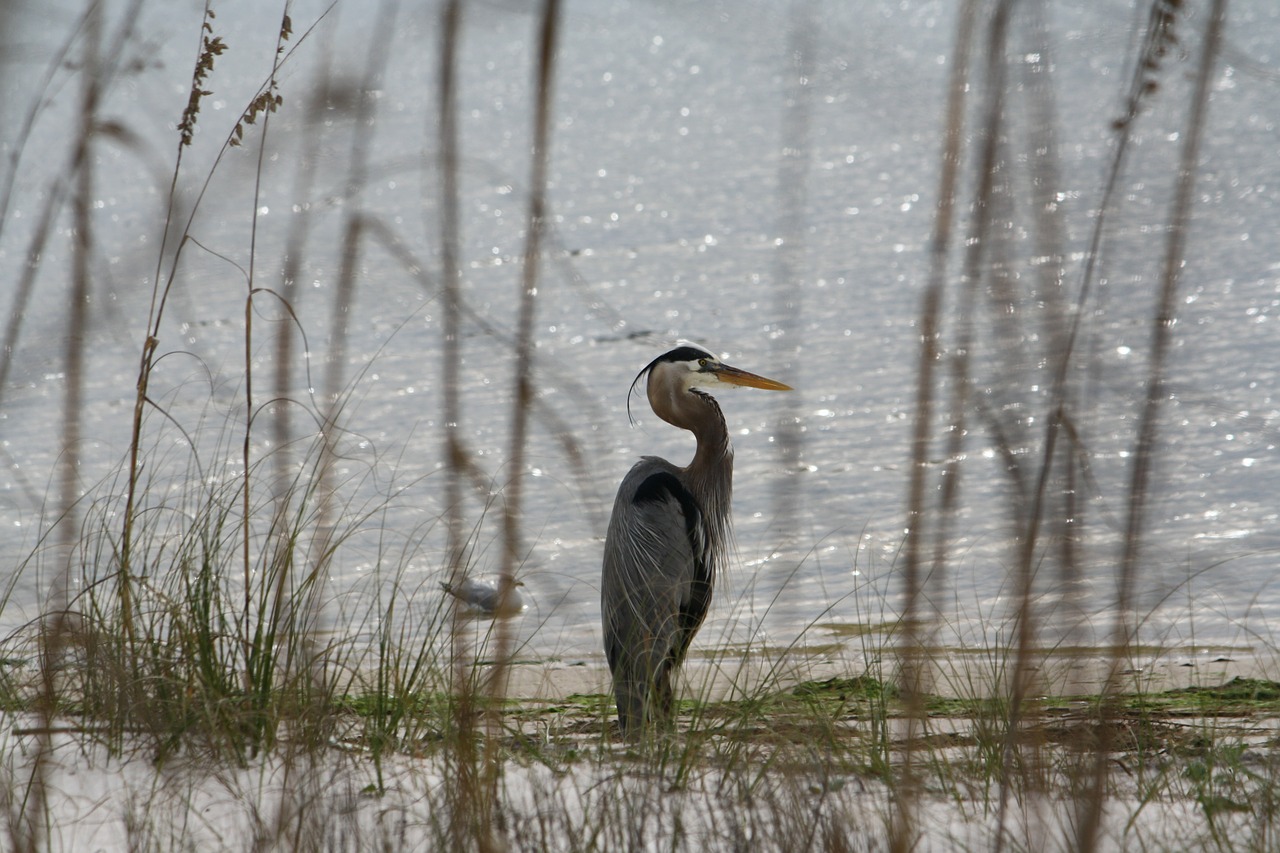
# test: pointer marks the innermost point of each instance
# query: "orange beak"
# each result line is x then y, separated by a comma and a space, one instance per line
735, 376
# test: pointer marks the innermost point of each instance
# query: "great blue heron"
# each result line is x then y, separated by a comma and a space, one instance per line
668, 537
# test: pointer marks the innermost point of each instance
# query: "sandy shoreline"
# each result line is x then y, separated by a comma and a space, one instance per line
954, 673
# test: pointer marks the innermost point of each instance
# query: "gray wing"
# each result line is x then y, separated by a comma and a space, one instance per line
655, 587
485, 597
480, 595
473, 593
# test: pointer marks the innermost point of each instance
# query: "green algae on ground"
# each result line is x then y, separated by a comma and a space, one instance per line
1239, 696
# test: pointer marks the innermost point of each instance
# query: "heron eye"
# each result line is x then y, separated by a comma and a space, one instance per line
702, 362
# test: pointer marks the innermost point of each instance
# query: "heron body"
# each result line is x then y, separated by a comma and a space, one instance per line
668, 538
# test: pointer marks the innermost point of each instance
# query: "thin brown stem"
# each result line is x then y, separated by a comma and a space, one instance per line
1144, 448
902, 830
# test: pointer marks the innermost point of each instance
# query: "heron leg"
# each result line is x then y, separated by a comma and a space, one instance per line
631, 679
628, 692
663, 704
642, 684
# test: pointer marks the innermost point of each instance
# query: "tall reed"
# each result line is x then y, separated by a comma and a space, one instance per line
1047, 508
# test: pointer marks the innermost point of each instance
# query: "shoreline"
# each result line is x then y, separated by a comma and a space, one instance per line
952, 674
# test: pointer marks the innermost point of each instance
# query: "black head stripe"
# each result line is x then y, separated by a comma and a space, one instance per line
685, 353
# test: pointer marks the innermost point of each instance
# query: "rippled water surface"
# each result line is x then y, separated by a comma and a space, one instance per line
760, 178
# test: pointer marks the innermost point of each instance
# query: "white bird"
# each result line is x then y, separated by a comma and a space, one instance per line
483, 598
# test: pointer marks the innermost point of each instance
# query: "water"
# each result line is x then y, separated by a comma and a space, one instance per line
757, 177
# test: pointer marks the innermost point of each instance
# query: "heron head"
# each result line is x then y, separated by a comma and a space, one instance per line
687, 367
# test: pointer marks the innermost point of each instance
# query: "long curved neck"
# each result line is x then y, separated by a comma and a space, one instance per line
710, 474
711, 471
